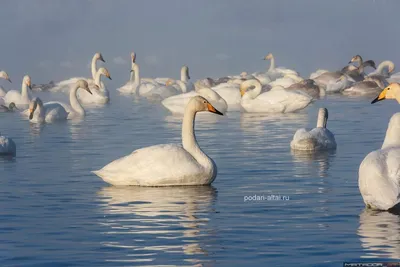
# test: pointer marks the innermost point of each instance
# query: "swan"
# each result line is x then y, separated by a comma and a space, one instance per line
75, 108
317, 73
171, 88
383, 72
357, 74
274, 101
7, 146
184, 79
176, 104
286, 81
368, 86
319, 138
308, 86
5, 76
66, 85
128, 86
169, 164
21, 99
230, 93
48, 112
100, 94
11, 107
274, 72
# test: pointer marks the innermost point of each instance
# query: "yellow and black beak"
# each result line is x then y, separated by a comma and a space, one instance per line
109, 77
101, 58
8, 79
380, 97
30, 113
88, 90
213, 110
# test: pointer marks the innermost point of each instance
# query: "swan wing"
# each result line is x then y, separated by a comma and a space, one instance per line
153, 166
177, 103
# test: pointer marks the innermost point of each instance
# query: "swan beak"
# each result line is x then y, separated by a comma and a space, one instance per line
102, 59
213, 110
131, 71
109, 77
30, 113
242, 91
88, 90
8, 79
380, 97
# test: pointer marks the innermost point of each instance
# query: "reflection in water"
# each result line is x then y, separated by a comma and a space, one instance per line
323, 160
36, 128
147, 221
379, 233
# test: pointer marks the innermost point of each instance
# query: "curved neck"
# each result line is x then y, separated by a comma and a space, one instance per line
392, 137
189, 141
74, 102
24, 92
97, 80
93, 67
182, 85
385, 67
272, 65
361, 69
184, 76
254, 92
360, 61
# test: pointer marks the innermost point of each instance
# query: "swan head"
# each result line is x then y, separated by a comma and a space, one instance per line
99, 56
27, 81
389, 92
4, 75
104, 71
133, 57
244, 86
84, 85
267, 57
185, 69
356, 58
12, 106
322, 117
33, 106
201, 104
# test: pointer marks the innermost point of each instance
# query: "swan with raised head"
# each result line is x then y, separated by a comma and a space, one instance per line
176, 104
99, 94
48, 112
169, 164
274, 72
5, 76
185, 78
319, 138
74, 109
7, 146
11, 107
66, 85
20, 99
128, 86
274, 101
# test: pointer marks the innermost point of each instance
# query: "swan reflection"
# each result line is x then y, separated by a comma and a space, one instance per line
143, 220
311, 159
379, 234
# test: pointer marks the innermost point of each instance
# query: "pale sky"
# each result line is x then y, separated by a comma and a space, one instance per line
56, 39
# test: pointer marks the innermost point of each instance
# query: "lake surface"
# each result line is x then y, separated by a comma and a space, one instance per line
55, 212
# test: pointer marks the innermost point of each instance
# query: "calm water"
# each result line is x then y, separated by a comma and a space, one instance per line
54, 212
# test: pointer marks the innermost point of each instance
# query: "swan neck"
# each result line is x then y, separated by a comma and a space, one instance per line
322, 120
137, 74
256, 91
392, 137
97, 79
24, 92
93, 67
74, 102
272, 65
183, 86
132, 76
184, 77
361, 69
189, 141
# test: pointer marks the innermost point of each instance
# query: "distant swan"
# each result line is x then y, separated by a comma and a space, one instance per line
129, 85
21, 99
7, 147
366, 87
100, 94
5, 76
75, 108
274, 101
167, 165
319, 138
49, 112
185, 78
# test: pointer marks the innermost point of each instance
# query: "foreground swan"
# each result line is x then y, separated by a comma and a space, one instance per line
75, 108
167, 165
319, 138
49, 112
22, 99
7, 147
274, 101
5, 76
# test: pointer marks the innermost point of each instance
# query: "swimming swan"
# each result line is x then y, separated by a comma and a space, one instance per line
274, 101
75, 108
100, 94
169, 164
7, 147
5, 76
21, 99
319, 138
128, 86
49, 112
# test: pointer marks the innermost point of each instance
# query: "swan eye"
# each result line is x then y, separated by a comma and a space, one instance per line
388, 89
204, 101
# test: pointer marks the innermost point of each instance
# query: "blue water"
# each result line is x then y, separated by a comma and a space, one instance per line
55, 212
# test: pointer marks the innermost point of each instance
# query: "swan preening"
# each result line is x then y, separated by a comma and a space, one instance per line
170, 164
49, 112
319, 138
7, 147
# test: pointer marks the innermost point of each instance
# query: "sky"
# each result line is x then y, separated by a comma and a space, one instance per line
56, 39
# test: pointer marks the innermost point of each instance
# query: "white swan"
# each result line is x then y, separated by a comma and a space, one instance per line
275, 73
315, 74
129, 85
167, 165
274, 101
309, 87
189, 86
21, 99
7, 147
176, 104
75, 109
230, 93
286, 81
319, 138
99, 94
49, 112
66, 85
383, 72
5, 76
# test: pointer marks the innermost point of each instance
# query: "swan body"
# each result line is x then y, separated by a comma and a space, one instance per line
48, 112
7, 147
99, 93
11, 107
309, 87
66, 85
185, 77
317, 73
21, 99
5, 76
338, 85
273, 101
319, 138
286, 80
176, 104
167, 165
275, 73
230, 93
139, 87
365, 87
